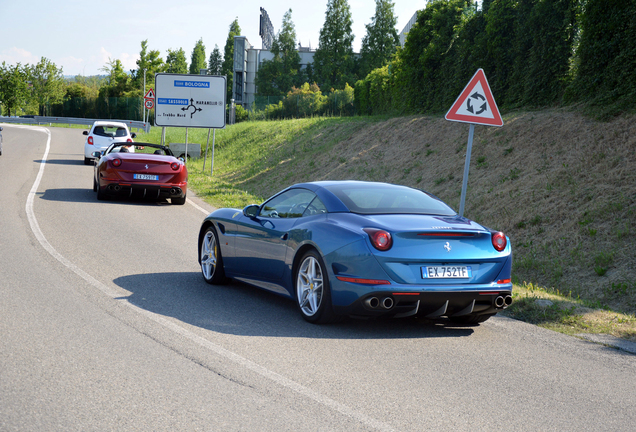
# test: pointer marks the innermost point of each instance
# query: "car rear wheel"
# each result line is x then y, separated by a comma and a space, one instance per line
313, 294
101, 196
211, 260
471, 319
87, 161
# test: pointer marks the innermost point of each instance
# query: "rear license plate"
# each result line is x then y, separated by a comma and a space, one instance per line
145, 177
447, 272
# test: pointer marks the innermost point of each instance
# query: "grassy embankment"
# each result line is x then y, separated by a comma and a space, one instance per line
562, 186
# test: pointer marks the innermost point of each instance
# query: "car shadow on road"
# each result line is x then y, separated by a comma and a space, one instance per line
61, 161
87, 195
241, 309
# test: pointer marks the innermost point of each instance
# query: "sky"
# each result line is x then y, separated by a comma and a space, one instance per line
81, 36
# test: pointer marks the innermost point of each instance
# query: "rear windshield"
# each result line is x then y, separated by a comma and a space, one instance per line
110, 131
388, 199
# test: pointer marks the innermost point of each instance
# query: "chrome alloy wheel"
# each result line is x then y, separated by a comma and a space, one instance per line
309, 286
209, 252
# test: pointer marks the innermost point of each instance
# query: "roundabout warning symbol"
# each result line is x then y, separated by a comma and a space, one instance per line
476, 103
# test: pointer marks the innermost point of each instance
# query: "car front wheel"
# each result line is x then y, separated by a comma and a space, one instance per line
211, 260
312, 290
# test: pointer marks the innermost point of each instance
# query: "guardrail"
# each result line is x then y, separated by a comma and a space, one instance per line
39, 120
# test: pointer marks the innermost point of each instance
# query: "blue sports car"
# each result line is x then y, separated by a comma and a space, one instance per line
361, 249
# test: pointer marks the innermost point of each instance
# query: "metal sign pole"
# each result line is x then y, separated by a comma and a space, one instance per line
163, 136
212, 159
471, 132
205, 158
186, 150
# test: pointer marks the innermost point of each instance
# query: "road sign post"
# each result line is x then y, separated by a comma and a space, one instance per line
474, 105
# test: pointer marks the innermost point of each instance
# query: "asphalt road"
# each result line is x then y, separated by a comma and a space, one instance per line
107, 324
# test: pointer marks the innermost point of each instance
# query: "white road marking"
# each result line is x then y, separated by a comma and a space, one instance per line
217, 349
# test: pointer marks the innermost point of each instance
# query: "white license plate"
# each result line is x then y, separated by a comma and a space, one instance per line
447, 272
145, 177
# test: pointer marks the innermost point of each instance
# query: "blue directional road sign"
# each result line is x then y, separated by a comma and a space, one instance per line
190, 100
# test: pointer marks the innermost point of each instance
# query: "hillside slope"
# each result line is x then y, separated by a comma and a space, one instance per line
561, 185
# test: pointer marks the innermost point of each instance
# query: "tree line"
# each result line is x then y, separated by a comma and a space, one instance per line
535, 53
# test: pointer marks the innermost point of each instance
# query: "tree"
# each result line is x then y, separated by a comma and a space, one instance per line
176, 62
333, 60
381, 39
150, 62
14, 87
118, 82
215, 64
277, 76
228, 56
48, 84
198, 58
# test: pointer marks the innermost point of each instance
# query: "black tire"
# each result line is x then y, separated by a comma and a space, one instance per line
178, 201
101, 196
94, 185
471, 319
87, 161
210, 258
313, 293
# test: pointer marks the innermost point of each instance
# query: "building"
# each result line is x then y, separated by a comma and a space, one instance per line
247, 61
407, 28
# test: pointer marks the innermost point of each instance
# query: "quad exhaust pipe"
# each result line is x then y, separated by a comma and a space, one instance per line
503, 302
115, 188
384, 303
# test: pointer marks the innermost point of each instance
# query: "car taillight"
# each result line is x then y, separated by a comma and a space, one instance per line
174, 166
499, 241
90, 140
116, 162
380, 239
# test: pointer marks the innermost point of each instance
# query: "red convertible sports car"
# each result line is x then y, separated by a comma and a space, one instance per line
157, 174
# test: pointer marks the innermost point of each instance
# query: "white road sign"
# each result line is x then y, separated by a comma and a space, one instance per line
190, 100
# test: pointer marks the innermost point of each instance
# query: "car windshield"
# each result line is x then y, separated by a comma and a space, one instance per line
370, 198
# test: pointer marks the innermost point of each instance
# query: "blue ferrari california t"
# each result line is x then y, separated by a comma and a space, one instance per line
361, 249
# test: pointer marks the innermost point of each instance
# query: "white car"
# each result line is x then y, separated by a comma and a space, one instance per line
102, 134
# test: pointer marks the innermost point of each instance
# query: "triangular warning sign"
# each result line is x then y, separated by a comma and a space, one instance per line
476, 104
150, 94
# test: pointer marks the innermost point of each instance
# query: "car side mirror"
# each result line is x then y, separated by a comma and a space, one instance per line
251, 210
85, 133
96, 154
133, 135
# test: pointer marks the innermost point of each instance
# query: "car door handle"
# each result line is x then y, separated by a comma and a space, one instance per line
284, 236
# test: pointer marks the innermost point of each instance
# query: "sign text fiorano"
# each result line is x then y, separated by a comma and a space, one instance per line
198, 84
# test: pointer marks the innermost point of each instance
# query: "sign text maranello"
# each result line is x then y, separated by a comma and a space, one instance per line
200, 84
168, 101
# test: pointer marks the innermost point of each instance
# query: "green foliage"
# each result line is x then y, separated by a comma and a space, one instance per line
305, 101
381, 39
227, 68
240, 113
118, 83
421, 74
198, 58
14, 90
333, 60
176, 62
48, 85
215, 63
373, 95
150, 62
605, 61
